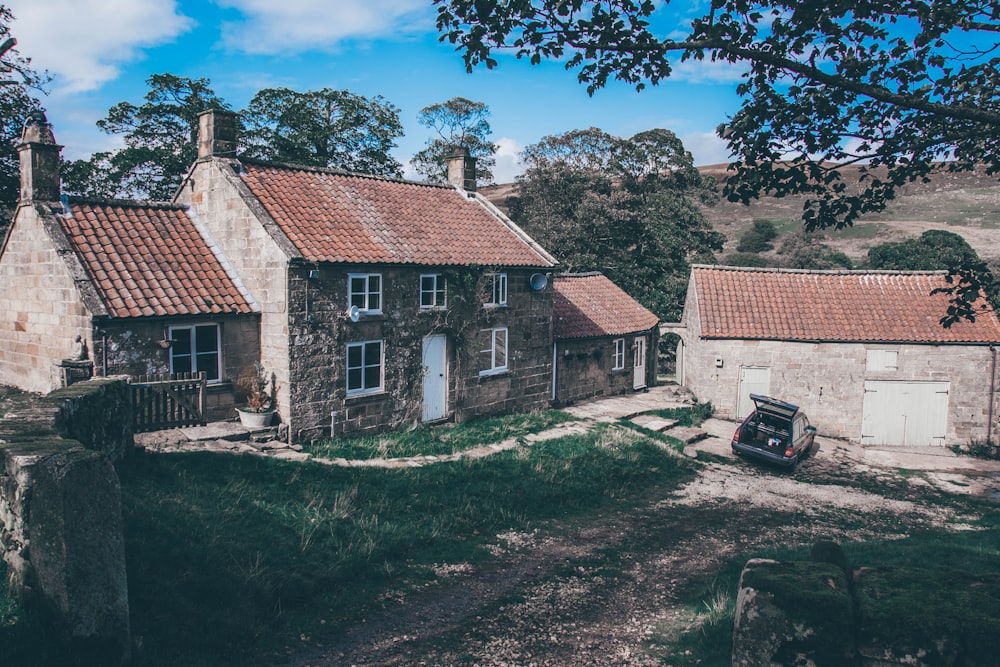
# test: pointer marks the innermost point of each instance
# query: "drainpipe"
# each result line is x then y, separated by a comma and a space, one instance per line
993, 381
555, 359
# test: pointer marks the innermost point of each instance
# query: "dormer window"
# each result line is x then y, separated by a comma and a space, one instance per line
365, 292
496, 289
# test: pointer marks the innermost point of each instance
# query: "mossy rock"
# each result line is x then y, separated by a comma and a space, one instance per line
792, 613
920, 617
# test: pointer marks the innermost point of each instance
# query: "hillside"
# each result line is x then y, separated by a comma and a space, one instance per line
967, 204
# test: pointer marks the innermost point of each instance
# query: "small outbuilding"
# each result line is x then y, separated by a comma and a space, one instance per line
604, 341
863, 353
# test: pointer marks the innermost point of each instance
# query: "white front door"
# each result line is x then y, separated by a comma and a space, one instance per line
435, 356
753, 380
639, 363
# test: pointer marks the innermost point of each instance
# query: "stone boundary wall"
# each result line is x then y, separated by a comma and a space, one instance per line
61, 527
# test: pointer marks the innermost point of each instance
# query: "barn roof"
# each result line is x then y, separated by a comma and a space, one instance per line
336, 216
846, 306
587, 305
149, 260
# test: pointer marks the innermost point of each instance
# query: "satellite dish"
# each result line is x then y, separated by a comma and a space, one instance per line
538, 281
354, 313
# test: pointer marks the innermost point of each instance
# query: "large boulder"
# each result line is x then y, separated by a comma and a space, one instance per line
793, 613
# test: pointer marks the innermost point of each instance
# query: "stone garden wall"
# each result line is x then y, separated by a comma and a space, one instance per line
61, 531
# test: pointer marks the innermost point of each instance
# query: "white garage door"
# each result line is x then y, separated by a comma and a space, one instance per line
904, 413
753, 380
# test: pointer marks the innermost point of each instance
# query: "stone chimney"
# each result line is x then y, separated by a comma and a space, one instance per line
217, 133
39, 156
462, 169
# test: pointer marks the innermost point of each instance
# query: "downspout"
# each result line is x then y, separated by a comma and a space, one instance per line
555, 357
993, 381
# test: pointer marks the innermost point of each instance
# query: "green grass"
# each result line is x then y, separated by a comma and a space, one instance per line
946, 554
693, 416
439, 440
232, 559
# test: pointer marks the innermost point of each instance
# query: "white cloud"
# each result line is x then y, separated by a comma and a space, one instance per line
84, 42
707, 148
508, 160
291, 26
708, 71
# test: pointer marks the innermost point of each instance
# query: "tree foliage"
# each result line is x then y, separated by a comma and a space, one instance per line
757, 237
161, 142
901, 88
937, 250
628, 208
19, 84
458, 123
323, 128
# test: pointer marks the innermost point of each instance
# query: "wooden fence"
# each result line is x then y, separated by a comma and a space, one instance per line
168, 401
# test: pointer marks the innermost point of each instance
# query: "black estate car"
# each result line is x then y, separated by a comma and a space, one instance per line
776, 431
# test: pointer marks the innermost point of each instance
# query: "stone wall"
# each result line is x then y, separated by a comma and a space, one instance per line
41, 311
585, 368
320, 329
61, 529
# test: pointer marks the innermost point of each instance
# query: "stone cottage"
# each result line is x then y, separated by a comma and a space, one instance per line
863, 353
605, 341
114, 287
382, 302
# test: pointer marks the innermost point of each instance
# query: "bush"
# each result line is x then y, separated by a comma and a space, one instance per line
758, 237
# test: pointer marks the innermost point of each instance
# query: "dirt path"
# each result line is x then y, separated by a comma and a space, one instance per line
602, 593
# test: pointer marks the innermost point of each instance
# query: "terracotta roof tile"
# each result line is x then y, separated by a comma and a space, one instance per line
149, 260
588, 305
831, 306
334, 216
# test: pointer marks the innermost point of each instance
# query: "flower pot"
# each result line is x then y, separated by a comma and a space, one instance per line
255, 419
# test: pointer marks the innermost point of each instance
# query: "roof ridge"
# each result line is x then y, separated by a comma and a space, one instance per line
579, 274
339, 172
132, 203
832, 272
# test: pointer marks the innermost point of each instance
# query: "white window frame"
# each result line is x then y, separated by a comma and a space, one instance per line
498, 351
365, 364
437, 293
619, 354
363, 298
196, 356
496, 285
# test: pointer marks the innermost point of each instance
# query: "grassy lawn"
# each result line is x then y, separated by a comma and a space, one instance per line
234, 560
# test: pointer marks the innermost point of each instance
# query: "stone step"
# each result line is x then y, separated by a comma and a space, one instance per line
687, 434
653, 423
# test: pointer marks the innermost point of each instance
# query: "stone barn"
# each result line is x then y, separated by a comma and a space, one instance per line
605, 341
863, 353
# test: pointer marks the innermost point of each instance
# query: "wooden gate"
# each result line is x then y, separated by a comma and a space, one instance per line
168, 401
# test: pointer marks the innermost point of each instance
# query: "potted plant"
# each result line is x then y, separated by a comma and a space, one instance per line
259, 409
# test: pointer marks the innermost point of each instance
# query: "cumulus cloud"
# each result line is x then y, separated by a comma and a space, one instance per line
270, 27
708, 71
508, 160
83, 43
707, 148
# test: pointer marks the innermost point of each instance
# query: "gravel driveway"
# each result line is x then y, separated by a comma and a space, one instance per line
602, 593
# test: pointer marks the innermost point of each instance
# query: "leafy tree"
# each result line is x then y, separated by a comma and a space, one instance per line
457, 122
901, 88
937, 250
161, 142
323, 128
628, 208
17, 103
746, 259
758, 237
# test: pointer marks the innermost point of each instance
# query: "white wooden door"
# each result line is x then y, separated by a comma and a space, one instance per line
639, 363
435, 356
753, 380
904, 413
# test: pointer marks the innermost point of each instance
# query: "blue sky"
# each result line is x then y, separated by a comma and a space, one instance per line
100, 52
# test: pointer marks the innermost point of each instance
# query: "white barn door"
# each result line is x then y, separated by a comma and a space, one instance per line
435, 377
753, 380
904, 413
